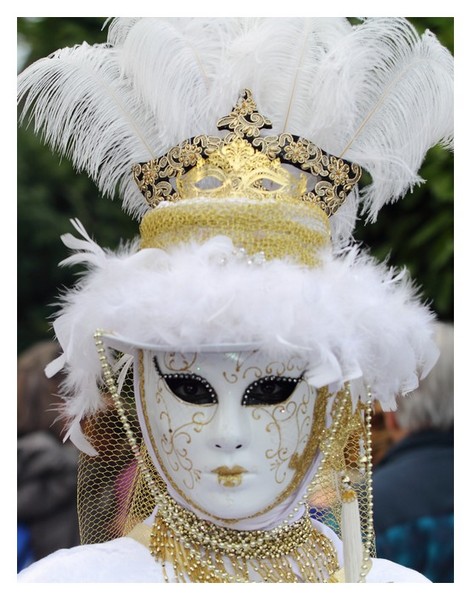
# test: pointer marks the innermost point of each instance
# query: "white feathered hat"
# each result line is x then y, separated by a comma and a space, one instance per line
373, 96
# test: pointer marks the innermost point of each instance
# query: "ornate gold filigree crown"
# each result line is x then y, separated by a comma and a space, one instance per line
247, 165
239, 186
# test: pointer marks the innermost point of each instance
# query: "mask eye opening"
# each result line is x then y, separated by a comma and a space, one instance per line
188, 387
270, 390
267, 184
208, 183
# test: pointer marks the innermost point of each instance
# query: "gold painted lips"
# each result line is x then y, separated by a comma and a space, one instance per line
229, 476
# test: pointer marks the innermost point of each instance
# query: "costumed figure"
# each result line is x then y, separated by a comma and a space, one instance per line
221, 370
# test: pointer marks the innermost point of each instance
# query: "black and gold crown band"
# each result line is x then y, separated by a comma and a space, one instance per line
246, 164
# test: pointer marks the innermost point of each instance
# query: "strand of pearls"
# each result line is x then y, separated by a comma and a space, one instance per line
366, 564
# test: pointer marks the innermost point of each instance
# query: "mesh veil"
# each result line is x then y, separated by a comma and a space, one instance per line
113, 496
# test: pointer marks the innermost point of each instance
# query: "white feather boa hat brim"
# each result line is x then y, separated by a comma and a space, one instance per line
354, 318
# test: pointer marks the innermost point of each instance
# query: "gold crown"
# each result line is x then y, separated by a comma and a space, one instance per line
245, 164
238, 186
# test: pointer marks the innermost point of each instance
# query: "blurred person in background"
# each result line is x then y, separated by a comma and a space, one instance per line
46, 467
413, 481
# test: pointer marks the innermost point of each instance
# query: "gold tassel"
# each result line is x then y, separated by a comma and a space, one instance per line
351, 533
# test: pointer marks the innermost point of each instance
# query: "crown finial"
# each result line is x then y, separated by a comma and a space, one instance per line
244, 119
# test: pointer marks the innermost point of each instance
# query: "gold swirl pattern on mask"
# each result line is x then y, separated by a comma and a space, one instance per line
179, 361
306, 458
175, 444
279, 415
294, 363
276, 367
241, 358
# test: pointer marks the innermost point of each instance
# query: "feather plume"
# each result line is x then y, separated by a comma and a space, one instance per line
376, 93
118, 29
392, 99
171, 65
87, 112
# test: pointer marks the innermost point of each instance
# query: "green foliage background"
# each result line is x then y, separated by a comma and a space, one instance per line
416, 232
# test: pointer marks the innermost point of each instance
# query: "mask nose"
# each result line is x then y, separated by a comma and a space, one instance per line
230, 427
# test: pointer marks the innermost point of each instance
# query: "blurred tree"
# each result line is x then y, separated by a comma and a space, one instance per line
416, 232
42, 35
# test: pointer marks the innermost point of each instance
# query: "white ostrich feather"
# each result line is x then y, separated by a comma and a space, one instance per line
174, 65
375, 93
190, 71
87, 112
391, 94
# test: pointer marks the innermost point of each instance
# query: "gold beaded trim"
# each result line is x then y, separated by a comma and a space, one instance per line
277, 230
201, 552
243, 544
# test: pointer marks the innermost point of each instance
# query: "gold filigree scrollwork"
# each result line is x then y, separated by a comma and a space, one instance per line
241, 359
237, 170
179, 361
294, 363
281, 455
193, 157
299, 151
244, 119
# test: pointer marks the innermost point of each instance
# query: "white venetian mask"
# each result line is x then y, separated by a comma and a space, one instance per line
232, 433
